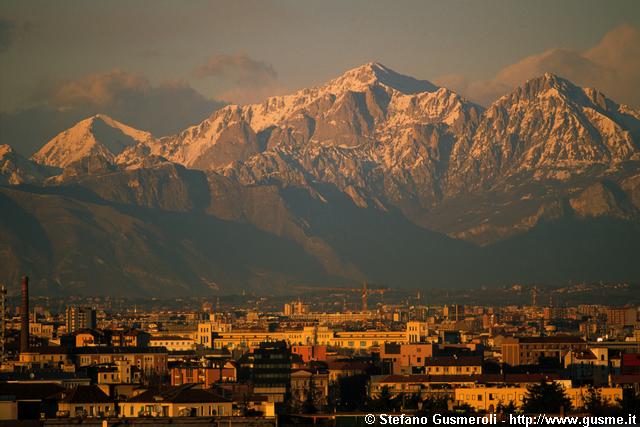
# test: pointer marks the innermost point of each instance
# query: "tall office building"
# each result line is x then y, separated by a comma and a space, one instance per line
24, 316
3, 326
80, 318
272, 370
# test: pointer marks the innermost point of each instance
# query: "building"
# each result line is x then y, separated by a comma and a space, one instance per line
147, 360
532, 350
86, 401
3, 324
42, 330
453, 365
213, 372
453, 312
27, 401
444, 385
417, 332
626, 316
173, 343
346, 368
118, 372
184, 401
487, 398
588, 366
86, 338
310, 353
270, 373
80, 318
310, 335
309, 387
130, 338
403, 358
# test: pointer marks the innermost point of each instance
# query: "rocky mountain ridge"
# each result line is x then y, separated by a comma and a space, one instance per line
372, 159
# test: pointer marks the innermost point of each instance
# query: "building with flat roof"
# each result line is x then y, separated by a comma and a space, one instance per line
530, 350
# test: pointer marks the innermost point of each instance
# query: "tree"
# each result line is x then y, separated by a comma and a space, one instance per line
595, 404
509, 408
385, 401
630, 401
546, 397
434, 405
411, 401
352, 392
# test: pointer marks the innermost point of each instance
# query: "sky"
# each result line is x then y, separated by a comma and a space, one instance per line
163, 65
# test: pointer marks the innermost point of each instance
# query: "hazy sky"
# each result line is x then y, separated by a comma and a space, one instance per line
84, 55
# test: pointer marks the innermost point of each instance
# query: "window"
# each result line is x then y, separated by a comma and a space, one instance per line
480, 398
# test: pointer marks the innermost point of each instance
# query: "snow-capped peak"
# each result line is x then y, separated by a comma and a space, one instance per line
365, 104
97, 135
372, 73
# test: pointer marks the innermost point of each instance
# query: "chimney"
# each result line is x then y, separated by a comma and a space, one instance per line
24, 316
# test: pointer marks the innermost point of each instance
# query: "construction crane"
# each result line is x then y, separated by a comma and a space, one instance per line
364, 291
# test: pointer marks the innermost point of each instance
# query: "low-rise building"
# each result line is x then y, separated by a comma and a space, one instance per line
130, 338
530, 350
86, 401
487, 398
173, 343
181, 401
211, 373
588, 366
453, 365
148, 360
309, 386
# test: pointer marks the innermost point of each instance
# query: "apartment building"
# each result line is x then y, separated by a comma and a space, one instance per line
530, 350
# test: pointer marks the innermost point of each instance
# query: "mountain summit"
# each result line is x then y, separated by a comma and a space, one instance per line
375, 73
365, 105
99, 135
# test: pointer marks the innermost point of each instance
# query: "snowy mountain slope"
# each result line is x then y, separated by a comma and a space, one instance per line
16, 169
99, 135
366, 105
389, 141
551, 127
373, 175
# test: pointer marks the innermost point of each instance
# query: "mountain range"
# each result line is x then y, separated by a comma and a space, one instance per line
372, 176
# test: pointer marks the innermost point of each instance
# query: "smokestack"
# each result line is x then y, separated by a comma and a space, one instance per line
24, 316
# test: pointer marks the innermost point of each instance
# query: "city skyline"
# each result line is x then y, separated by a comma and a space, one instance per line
332, 213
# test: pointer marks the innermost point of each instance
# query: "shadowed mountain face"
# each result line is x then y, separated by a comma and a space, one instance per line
374, 176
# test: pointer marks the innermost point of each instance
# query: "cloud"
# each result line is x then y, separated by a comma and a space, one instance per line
244, 79
612, 65
162, 109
